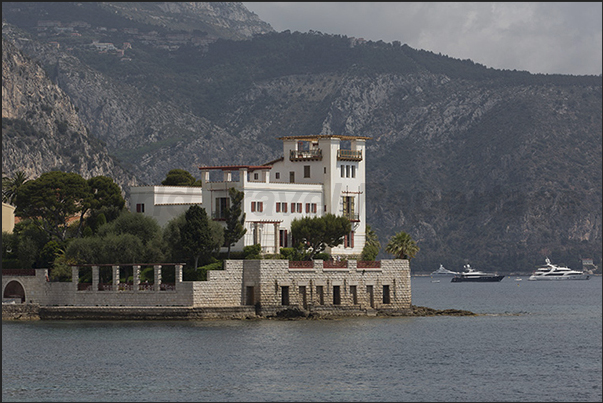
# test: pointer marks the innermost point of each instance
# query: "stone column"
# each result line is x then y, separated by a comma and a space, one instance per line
115, 278
95, 278
136, 278
75, 276
157, 277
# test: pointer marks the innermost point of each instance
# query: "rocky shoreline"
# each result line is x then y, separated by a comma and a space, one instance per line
37, 312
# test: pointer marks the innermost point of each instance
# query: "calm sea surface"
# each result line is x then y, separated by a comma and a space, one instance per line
537, 341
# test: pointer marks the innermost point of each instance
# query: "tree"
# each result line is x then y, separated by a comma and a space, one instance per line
130, 238
200, 237
10, 186
316, 233
235, 219
371, 245
105, 193
180, 177
402, 246
54, 198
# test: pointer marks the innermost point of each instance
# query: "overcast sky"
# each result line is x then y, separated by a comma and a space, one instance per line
553, 38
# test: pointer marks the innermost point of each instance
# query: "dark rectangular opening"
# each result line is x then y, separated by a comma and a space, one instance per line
285, 295
386, 294
249, 295
354, 294
321, 295
336, 295
304, 296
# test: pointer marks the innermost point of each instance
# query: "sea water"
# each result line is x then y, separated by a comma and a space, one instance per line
532, 341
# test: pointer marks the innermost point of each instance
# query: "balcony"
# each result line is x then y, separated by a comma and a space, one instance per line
306, 155
349, 155
351, 216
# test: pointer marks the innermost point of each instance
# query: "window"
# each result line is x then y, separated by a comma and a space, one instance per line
299, 207
285, 295
347, 171
222, 204
307, 208
386, 294
257, 206
277, 175
353, 171
283, 238
284, 207
348, 207
348, 240
278, 207
325, 169
306, 171
336, 295
293, 207
343, 171
140, 208
256, 176
292, 177
313, 207
354, 293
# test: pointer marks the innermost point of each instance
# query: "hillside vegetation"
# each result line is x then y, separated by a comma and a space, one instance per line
495, 168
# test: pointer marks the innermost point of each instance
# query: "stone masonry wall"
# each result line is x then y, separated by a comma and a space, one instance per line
269, 285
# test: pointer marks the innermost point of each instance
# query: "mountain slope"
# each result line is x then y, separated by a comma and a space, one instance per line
482, 166
41, 129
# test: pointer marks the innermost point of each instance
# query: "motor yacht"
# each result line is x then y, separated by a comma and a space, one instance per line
471, 275
443, 272
551, 271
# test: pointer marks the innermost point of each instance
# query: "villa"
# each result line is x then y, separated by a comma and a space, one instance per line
316, 175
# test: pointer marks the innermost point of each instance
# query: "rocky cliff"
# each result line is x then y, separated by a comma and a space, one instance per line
481, 166
41, 129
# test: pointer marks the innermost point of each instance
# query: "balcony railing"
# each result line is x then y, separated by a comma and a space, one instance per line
334, 264
349, 155
368, 264
305, 155
352, 216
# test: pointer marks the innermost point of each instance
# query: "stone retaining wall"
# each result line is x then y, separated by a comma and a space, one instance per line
20, 311
243, 289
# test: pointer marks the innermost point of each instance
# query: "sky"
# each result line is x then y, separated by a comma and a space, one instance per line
548, 38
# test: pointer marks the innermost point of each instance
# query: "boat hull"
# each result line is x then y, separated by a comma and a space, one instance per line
559, 278
489, 279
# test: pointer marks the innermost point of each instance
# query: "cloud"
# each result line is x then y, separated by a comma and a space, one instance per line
552, 38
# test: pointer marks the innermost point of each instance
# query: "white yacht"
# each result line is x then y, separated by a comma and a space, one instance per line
443, 272
471, 275
554, 272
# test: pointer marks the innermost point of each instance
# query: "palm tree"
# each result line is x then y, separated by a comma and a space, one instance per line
10, 186
402, 246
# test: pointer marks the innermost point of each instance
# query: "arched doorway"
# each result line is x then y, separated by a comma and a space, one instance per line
14, 290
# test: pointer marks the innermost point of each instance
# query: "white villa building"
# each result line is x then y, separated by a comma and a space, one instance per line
316, 175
